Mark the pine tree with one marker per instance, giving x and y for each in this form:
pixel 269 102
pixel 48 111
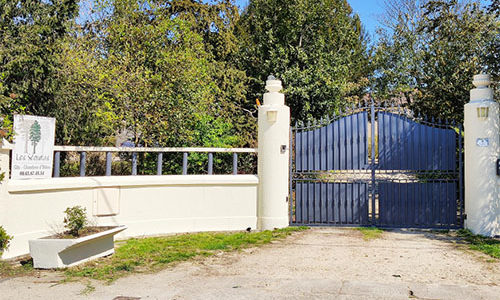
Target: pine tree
pixel 35 135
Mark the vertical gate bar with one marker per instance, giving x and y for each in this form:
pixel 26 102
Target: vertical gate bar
pixel 357 142
pixel 381 124
pixel 410 204
pixel 411 137
pixel 314 147
pixel 57 164
pixel 327 149
pixel 303 144
pixel 315 201
pixel 428 162
pixel 321 150
pixel 373 157
pixel 134 163
pixel 185 163
pixel 309 201
pixel 303 200
pixel 365 138
pixel 414 204
pixel 353 198
pixel 405 144
pixel 447 205
pixel 390 145
pixel 346 144
pixel 460 175
pixel 352 141
pixel 434 209
pixel 327 201
pixel 319 203
pixel 398 142
pixel 321 212
pixel 109 161
pixel 83 157
pixel 340 202
pixel 346 200
pixel 397 199
pixel 210 163
pixel 235 160
pixel 159 164
pixel 339 148
pixel 308 147
pixel 359 203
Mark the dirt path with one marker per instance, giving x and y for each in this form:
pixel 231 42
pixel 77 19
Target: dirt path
pixel 320 263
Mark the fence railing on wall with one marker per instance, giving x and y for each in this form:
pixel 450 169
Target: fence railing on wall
pixel 83 150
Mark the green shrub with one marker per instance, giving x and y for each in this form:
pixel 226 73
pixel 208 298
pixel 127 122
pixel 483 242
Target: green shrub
pixel 75 220
pixel 4 240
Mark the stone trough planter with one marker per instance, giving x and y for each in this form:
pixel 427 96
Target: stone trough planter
pixel 52 253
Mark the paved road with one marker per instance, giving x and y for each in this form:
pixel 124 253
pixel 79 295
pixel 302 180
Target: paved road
pixel 322 263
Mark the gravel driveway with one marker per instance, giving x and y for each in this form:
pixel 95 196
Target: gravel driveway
pixel 321 263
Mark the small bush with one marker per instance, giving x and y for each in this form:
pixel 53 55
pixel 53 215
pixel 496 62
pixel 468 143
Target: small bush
pixel 75 220
pixel 4 240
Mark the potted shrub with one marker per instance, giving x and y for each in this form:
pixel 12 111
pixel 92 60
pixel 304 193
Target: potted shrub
pixel 78 244
pixel 4 240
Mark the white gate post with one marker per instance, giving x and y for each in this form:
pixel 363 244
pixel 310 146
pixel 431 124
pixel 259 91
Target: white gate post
pixel 273 161
pixel 481 126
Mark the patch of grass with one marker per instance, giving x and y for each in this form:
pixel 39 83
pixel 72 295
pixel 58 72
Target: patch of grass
pixel 89 288
pixel 155 253
pixel 8 269
pixel 370 233
pixel 480 243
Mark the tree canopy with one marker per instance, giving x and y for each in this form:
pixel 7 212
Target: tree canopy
pixel 433 51
pixel 188 72
pixel 317 48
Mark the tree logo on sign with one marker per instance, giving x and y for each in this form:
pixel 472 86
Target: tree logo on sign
pixel 35 135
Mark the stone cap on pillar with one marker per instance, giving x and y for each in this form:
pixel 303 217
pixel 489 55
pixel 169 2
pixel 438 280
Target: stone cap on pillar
pixel 482 92
pixel 273 85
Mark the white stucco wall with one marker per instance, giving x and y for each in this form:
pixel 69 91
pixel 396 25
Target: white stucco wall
pixel 147 205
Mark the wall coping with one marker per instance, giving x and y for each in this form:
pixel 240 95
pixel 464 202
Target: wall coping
pixel 71 183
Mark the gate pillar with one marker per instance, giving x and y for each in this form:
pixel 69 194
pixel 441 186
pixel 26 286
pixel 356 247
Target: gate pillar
pixel 273 158
pixel 481 124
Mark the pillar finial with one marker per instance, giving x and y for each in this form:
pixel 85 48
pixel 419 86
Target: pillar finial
pixel 273 85
pixel 482 81
pixel 482 92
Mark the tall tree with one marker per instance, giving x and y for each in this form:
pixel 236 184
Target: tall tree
pixel 30 35
pixel 432 51
pixel 317 48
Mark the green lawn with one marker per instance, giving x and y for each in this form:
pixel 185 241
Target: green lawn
pixel 480 243
pixel 152 254
pixel 370 233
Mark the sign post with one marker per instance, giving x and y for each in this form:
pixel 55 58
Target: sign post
pixel 33 153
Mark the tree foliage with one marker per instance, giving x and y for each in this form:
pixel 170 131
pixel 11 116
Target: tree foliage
pixel 152 70
pixel 317 48
pixel 432 53
pixel 30 35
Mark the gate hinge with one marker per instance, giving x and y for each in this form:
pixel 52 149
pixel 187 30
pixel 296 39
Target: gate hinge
pixel 465 216
pixel 286 198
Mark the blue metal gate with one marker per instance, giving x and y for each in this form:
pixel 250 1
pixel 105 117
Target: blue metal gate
pixel 377 165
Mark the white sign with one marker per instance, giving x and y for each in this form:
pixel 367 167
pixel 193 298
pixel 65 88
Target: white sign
pixel 33 153
pixel 483 142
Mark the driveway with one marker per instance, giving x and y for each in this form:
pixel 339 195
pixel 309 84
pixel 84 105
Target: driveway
pixel 321 263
